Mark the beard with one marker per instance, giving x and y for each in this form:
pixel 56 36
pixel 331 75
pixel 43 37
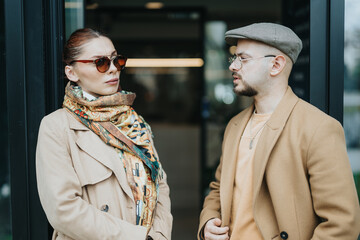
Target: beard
pixel 247 90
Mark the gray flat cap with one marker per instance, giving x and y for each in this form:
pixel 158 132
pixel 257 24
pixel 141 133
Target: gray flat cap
pixel 275 35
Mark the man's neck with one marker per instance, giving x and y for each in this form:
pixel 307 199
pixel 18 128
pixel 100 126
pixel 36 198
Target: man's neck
pixel 267 103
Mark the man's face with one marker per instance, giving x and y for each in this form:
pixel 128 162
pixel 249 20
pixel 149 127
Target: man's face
pixel 250 69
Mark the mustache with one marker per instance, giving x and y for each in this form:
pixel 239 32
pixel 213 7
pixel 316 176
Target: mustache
pixel 236 75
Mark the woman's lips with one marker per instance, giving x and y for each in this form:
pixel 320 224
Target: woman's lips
pixel 113 81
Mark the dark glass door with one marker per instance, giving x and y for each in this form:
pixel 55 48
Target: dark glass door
pixel 5 213
pixel 165 69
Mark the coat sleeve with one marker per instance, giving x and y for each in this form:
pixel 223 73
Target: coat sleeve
pixel 60 192
pixel 162 225
pixel 332 185
pixel 211 207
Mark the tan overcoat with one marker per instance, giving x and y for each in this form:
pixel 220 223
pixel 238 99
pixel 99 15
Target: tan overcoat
pixel 83 186
pixel 303 182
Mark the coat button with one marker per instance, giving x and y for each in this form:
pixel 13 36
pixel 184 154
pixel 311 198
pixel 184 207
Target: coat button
pixel 104 208
pixel 284 235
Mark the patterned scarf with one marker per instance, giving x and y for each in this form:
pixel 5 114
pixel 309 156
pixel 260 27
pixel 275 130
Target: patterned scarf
pixel 137 152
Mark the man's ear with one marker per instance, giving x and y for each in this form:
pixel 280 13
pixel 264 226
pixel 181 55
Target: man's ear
pixel 71 74
pixel 278 65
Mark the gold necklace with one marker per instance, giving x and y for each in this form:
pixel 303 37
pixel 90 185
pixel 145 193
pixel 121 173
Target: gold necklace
pixel 253 138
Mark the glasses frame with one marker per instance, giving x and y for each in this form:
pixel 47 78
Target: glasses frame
pixel 233 59
pixel 112 59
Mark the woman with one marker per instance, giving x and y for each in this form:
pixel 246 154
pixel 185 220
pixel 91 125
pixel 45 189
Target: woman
pixel 98 173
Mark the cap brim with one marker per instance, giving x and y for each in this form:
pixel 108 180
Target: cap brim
pixel 233 39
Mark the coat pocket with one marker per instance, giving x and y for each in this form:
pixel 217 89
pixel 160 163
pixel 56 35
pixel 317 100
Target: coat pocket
pixel 90 171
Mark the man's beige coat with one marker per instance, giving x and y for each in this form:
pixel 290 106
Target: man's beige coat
pixel 303 183
pixel 83 186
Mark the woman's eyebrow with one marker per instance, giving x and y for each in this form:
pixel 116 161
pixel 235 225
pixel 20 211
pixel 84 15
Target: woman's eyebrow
pixel 99 56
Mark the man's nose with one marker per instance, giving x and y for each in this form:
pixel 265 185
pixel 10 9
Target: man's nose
pixel 232 67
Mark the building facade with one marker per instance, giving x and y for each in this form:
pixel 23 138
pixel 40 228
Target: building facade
pixel 192 102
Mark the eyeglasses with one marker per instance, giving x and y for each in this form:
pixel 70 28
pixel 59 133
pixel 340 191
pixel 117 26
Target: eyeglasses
pixel 238 61
pixel 103 63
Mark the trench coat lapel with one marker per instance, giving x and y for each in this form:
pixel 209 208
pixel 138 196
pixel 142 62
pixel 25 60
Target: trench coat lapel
pixel 269 137
pixel 229 162
pixel 90 143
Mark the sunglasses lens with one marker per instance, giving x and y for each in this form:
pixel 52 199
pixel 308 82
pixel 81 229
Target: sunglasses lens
pixel 102 64
pixel 120 62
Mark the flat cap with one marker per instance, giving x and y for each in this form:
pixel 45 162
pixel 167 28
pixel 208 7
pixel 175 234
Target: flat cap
pixel 275 35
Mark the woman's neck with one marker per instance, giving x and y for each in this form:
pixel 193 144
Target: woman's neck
pixel 88 96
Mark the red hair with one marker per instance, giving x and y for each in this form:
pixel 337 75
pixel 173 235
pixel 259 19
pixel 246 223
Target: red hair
pixel 77 39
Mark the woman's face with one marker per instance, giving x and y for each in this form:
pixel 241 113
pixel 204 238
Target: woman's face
pixel 87 76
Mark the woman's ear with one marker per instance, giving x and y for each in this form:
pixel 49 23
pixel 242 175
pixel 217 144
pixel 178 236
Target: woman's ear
pixel 71 74
pixel 278 65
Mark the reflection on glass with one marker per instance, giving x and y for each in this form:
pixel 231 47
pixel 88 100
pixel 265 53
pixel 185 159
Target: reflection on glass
pixel 220 102
pixel 74 16
pixel 352 86
pixel 5 219
pixel 164 69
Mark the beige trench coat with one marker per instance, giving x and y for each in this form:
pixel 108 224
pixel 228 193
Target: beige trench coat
pixel 83 186
pixel 303 183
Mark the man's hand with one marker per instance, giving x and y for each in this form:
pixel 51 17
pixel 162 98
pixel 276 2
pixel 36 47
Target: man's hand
pixel 213 231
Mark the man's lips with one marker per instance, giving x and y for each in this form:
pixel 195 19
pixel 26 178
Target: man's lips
pixel 236 77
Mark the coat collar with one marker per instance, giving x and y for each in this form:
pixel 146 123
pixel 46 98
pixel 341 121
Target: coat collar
pixel 229 157
pixel 75 124
pixel 269 137
pixel 267 141
pixel 283 110
pixel 90 143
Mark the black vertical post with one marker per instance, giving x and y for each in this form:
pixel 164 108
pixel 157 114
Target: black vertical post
pixel 54 40
pixel 34 92
pixel 327 56
pixel 17 128
pixel 326 51
pixel 5 212
pixel 319 47
pixel 33 58
pixel 336 59
pixel 296 16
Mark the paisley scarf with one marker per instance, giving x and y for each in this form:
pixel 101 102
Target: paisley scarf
pixel 136 150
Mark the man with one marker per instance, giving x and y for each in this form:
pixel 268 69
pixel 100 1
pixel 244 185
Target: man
pixel 284 171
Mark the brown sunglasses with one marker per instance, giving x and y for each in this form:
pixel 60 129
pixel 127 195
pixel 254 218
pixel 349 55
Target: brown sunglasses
pixel 103 63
